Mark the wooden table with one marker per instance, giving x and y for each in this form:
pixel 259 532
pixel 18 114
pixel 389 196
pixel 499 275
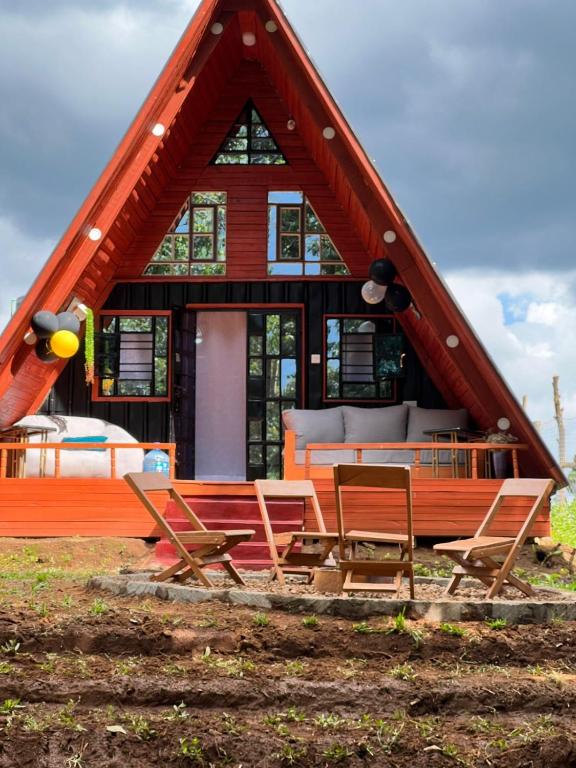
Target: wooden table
pixel 455 435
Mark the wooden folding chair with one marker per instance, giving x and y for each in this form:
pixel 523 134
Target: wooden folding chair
pixel 358 570
pixel 296 552
pixel 210 547
pixel 475 556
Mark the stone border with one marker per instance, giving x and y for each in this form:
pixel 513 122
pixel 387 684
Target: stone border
pixel 513 611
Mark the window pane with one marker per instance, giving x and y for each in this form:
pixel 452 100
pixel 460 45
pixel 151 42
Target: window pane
pixel 273 462
pixel 285 268
pixel 164 253
pixel 285 197
pixel 288 346
pixel 328 252
pixel 181 247
pixel 260 131
pixel 273 421
pixel 272 210
pixel 273 334
pixel 231 160
pixel 255 367
pixel 183 226
pixel 208 269
pixel 333 338
pixel 289 219
pixel 134 389
pixel 288 378
pixel 161 336
pixel 312 247
pixel 166 269
pixel 273 378
pixel 203 220
pixel 255 345
pixel 255 455
pixel 255 431
pixel 290 247
pixel 333 378
pixel 202 247
pixel 236 145
pixel 263 145
pixel 355 391
pixel 160 376
pixel 209 198
pixel 221 241
pixel 334 269
pixel 312 222
pixel 136 324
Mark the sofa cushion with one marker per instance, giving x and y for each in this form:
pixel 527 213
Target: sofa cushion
pixel 375 425
pixel 421 419
pixel 324 426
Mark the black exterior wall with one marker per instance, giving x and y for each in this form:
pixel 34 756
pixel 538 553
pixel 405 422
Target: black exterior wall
pixel 155 421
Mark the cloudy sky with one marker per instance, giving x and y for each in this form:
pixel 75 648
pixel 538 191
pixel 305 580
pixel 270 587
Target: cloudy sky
pixel 468 109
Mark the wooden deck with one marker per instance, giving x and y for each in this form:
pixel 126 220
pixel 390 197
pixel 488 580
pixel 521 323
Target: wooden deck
pixel 33 507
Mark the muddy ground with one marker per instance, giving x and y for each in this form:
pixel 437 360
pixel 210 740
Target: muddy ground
pixel 87 679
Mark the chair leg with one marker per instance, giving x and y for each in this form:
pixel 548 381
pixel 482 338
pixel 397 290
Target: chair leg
pixel 233 573
pixel 453 583
pixel 411 583
pixel 168 572
pixel 196 571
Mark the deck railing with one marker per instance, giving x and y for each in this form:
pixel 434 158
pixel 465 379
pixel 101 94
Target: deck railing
pixel 475 455
pixel 13 456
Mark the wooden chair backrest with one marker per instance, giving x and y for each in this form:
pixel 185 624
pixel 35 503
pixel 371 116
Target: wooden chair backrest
pixel 144 482
pixel 538 490
pixel 372 476
pixel 288 489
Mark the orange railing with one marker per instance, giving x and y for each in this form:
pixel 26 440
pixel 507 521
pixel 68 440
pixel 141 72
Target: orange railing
pixel 472 454
pixel 13 455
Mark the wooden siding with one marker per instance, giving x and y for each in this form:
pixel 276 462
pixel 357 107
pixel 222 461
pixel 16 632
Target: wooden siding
pixel 97 507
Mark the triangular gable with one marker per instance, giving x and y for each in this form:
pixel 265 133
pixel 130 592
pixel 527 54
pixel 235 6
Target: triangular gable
pixel 221 35
pixel 249 142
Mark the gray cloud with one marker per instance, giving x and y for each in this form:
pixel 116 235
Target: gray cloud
pixel 467 108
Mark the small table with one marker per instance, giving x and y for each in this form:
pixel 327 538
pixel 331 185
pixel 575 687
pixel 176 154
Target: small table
pixel 453 435
pixel 16 463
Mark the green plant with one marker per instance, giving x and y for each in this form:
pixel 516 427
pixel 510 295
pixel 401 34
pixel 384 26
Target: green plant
pixel 294 715
pixel 562 523
pixel 5 668
pixel 400 626
pixel 296 668
pixel 49 665
pixel 9 706
pixel 230 724
pixel 337 753
pixel 67 601
pixel 403 672
pixel 388 734
pixel 329 721
pixel 10 647
pixel 291 755
pixel 363 628
pixel 310 622
pixel 192 749
pixel 99 607
pixel 496 623
pixel 178 712
pixel 453 629
pixel 66 717
pixel 261 619
pixel 141 727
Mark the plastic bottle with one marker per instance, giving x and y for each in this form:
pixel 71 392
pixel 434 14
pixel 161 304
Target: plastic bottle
pixel 157 461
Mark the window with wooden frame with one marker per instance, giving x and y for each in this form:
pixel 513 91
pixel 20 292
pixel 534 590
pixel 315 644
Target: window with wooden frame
pixel 195 244
pixel 249 142
pixel 298 243
pixel 363 358
pixel 132 356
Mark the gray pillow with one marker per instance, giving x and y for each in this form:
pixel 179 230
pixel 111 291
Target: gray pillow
pixel 324 426
pixel 420 419
pixel 375 425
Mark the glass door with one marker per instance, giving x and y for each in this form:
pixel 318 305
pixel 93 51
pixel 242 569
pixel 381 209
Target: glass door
pixel 273 385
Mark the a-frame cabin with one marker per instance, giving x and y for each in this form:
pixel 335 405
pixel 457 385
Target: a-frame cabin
pixel 223 251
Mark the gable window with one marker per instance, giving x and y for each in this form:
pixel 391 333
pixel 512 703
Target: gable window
pixel 131 359
pixel 249 142
pixel 195 244
pixel 298 244
pixel 363 358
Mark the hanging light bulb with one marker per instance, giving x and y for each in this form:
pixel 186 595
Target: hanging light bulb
pixel 372 293
pixel 199 336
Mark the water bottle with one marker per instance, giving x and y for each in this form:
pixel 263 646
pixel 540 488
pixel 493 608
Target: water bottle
pixel 157 461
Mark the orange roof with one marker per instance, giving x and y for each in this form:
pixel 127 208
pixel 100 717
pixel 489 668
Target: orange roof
pixel 209 54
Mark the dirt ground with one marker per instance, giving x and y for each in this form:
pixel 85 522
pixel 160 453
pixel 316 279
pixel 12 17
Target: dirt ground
pixel 88 679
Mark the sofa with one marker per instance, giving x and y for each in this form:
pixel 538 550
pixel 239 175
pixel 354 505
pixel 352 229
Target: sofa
pixel 92 462
pixel 351 424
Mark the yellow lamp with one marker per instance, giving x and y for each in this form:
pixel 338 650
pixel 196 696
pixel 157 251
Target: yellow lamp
pixel 64 344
